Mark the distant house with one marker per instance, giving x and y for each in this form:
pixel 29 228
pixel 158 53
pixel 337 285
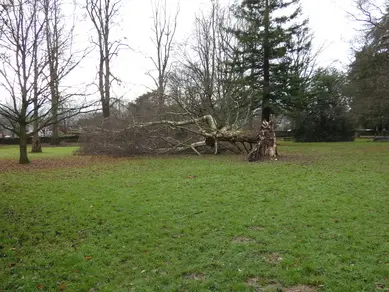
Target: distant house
pixel 6 134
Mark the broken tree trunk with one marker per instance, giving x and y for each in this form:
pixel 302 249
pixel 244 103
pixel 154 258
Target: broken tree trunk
pixel 267 144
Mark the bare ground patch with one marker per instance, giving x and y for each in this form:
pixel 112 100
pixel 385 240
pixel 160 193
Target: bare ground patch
pixel 195 276
pixel 259 227
pixel 12 165
pixel 261 285
pixel 258 284
pixel 242 239
pixel 273 258
pixel 253 282
pixel 301 288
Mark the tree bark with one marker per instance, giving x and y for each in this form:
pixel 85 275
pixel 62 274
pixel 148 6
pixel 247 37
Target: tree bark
pixel 267 144
pixel 55 134
pixel 52 43
pixel 36 144
pixel 54 109
pixel 107 66
pixel 23 158
pixel 266 67
pixel 36 141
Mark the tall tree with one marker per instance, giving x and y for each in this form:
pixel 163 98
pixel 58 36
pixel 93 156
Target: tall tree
pixel 267 42
pixel 164 30
pixel 325 116
pixel 61 57
pixel 369 81
pixel 203 82
pixel 103 13
pixel 25 74
pixel 196 72
pixel 22 69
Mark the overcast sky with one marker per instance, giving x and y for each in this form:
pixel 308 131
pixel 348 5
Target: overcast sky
pixel 328 20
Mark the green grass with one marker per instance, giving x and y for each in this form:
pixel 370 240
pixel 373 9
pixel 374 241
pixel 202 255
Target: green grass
pixel 318 217
pixel 48 152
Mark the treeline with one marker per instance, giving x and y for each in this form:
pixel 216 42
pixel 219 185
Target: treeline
pixel 243 64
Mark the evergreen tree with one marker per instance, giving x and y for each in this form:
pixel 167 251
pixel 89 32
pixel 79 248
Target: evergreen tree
pixel 325 117
pixel 369 77
pixel 269 35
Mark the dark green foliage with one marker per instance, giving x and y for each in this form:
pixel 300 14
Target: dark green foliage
pixel 270 35
pixel 369 86
pixel 321 127
pixel 369 78
pixel 325 118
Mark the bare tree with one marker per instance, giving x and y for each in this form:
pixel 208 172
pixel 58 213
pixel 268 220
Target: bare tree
pixel 24 74
pixel 164 29
pixel 204 82
pixel 371 13
pixel 21 70
pixel 102 13
pixel 36 48
pixel 61 56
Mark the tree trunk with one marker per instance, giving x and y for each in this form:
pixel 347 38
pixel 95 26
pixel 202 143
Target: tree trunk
pixel 54 110
pixel 36 144
pixel 106 109
pixel 55 135
pixel 266 68
pixel 267 144
pixel 107 67
pixel 23 158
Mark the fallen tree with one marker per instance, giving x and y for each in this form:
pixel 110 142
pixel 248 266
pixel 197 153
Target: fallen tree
pixel 200 135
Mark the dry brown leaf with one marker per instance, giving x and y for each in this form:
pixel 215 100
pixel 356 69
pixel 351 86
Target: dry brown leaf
pixel 11 265
pixel 55 163
pixel 40 286
pixel 62 286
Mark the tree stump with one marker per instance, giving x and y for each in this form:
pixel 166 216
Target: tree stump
pixel 267 144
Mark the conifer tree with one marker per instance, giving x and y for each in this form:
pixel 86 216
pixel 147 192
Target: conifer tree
pixel 268 33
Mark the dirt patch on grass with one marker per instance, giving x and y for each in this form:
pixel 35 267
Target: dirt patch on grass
pixel 300 288
pixel 242 239
pixel 195 276
pixel 253 282
pixel 256 227
pixel 273 258
pixel 12 165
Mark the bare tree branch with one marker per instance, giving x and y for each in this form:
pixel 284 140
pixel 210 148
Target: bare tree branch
pixel 102 14
pixel 164 30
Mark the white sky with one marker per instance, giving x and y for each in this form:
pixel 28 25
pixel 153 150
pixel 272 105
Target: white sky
pixel 328 20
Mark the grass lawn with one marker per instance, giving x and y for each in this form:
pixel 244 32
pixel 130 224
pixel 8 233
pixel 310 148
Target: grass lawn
pixel 316 220
pixel 12 152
